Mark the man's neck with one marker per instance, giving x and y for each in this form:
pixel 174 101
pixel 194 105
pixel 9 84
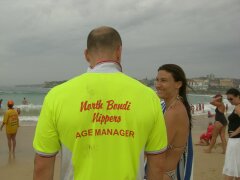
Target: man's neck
pixel 105 60
pixel 106 66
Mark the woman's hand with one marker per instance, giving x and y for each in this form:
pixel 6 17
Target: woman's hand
pixel 234 133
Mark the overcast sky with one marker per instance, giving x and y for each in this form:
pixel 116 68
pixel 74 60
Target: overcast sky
pixel 45 40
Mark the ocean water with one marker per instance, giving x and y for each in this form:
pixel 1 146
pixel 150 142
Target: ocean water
pixel 35 97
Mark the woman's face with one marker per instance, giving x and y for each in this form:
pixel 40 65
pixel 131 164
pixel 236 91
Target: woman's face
pixel 233 99
pixel 165 85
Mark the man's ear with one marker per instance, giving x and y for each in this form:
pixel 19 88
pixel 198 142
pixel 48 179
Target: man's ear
pixel 86 53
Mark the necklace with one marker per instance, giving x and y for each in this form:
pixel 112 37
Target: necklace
pixel 172 103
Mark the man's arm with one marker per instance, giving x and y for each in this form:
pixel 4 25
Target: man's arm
pixel 43 167
pixel 155 166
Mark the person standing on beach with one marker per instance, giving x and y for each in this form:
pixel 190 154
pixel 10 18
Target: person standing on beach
pixel 231 168
pixel 171 86
pixel 12 123
pixel 1 103
pixel 99 121
pixel 219 124
pixel 25 102
pixel 192 108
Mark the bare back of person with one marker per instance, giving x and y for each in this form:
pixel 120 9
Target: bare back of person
pixel 171 86
pixel 178 129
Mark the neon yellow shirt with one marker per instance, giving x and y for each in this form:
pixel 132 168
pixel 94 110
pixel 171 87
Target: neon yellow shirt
pixel 11 121
pixel 102 122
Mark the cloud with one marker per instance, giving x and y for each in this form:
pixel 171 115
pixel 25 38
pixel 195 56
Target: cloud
pixel 43 40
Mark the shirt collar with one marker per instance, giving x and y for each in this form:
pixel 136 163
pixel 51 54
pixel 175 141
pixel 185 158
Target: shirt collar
pixel 106 67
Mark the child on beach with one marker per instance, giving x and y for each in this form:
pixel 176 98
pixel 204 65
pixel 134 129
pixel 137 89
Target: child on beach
pixel 206 137
pixel 12 123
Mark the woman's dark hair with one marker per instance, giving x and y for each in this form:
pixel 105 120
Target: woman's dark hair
pixel 233 92
pixel 218 95
pixel 179 75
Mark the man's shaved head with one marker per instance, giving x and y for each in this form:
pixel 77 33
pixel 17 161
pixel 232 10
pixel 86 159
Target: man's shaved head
pixel 103 39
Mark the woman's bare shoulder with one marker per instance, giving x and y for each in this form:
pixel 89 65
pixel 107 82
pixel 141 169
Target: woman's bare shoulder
pixel 177 114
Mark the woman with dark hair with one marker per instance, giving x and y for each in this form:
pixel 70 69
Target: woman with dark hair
pixel 171 85
pixel 231 167
pixel 219 124
pixel 12 123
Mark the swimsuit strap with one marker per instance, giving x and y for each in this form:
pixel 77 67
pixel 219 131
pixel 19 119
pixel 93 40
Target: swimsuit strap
pixel 172 147
pixel 171 174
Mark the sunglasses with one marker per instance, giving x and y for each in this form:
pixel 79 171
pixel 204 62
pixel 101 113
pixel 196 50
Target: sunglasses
pixel 230 99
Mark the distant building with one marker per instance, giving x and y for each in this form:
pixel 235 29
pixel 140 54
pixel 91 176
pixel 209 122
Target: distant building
pixel 211 76
pixel 198 84
pixel 214 83
pixel 226 83
pixel 236 83
pixel 50 84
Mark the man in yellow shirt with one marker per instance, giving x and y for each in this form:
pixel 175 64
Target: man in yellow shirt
pixel 102 121
pixel 12 123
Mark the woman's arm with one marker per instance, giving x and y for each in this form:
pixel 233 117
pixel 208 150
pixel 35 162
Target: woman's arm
pixel 234 133
pixel 216 101
pixel 5 119
pixel 170 121
pixel 2 126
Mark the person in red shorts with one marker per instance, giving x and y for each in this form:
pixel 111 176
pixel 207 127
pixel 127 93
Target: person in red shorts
pixel 206 137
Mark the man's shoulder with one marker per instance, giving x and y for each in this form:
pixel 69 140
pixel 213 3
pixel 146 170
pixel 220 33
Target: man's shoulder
pixel 84 80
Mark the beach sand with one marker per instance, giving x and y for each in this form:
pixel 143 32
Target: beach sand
pixel 20 167
pixel 206 166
